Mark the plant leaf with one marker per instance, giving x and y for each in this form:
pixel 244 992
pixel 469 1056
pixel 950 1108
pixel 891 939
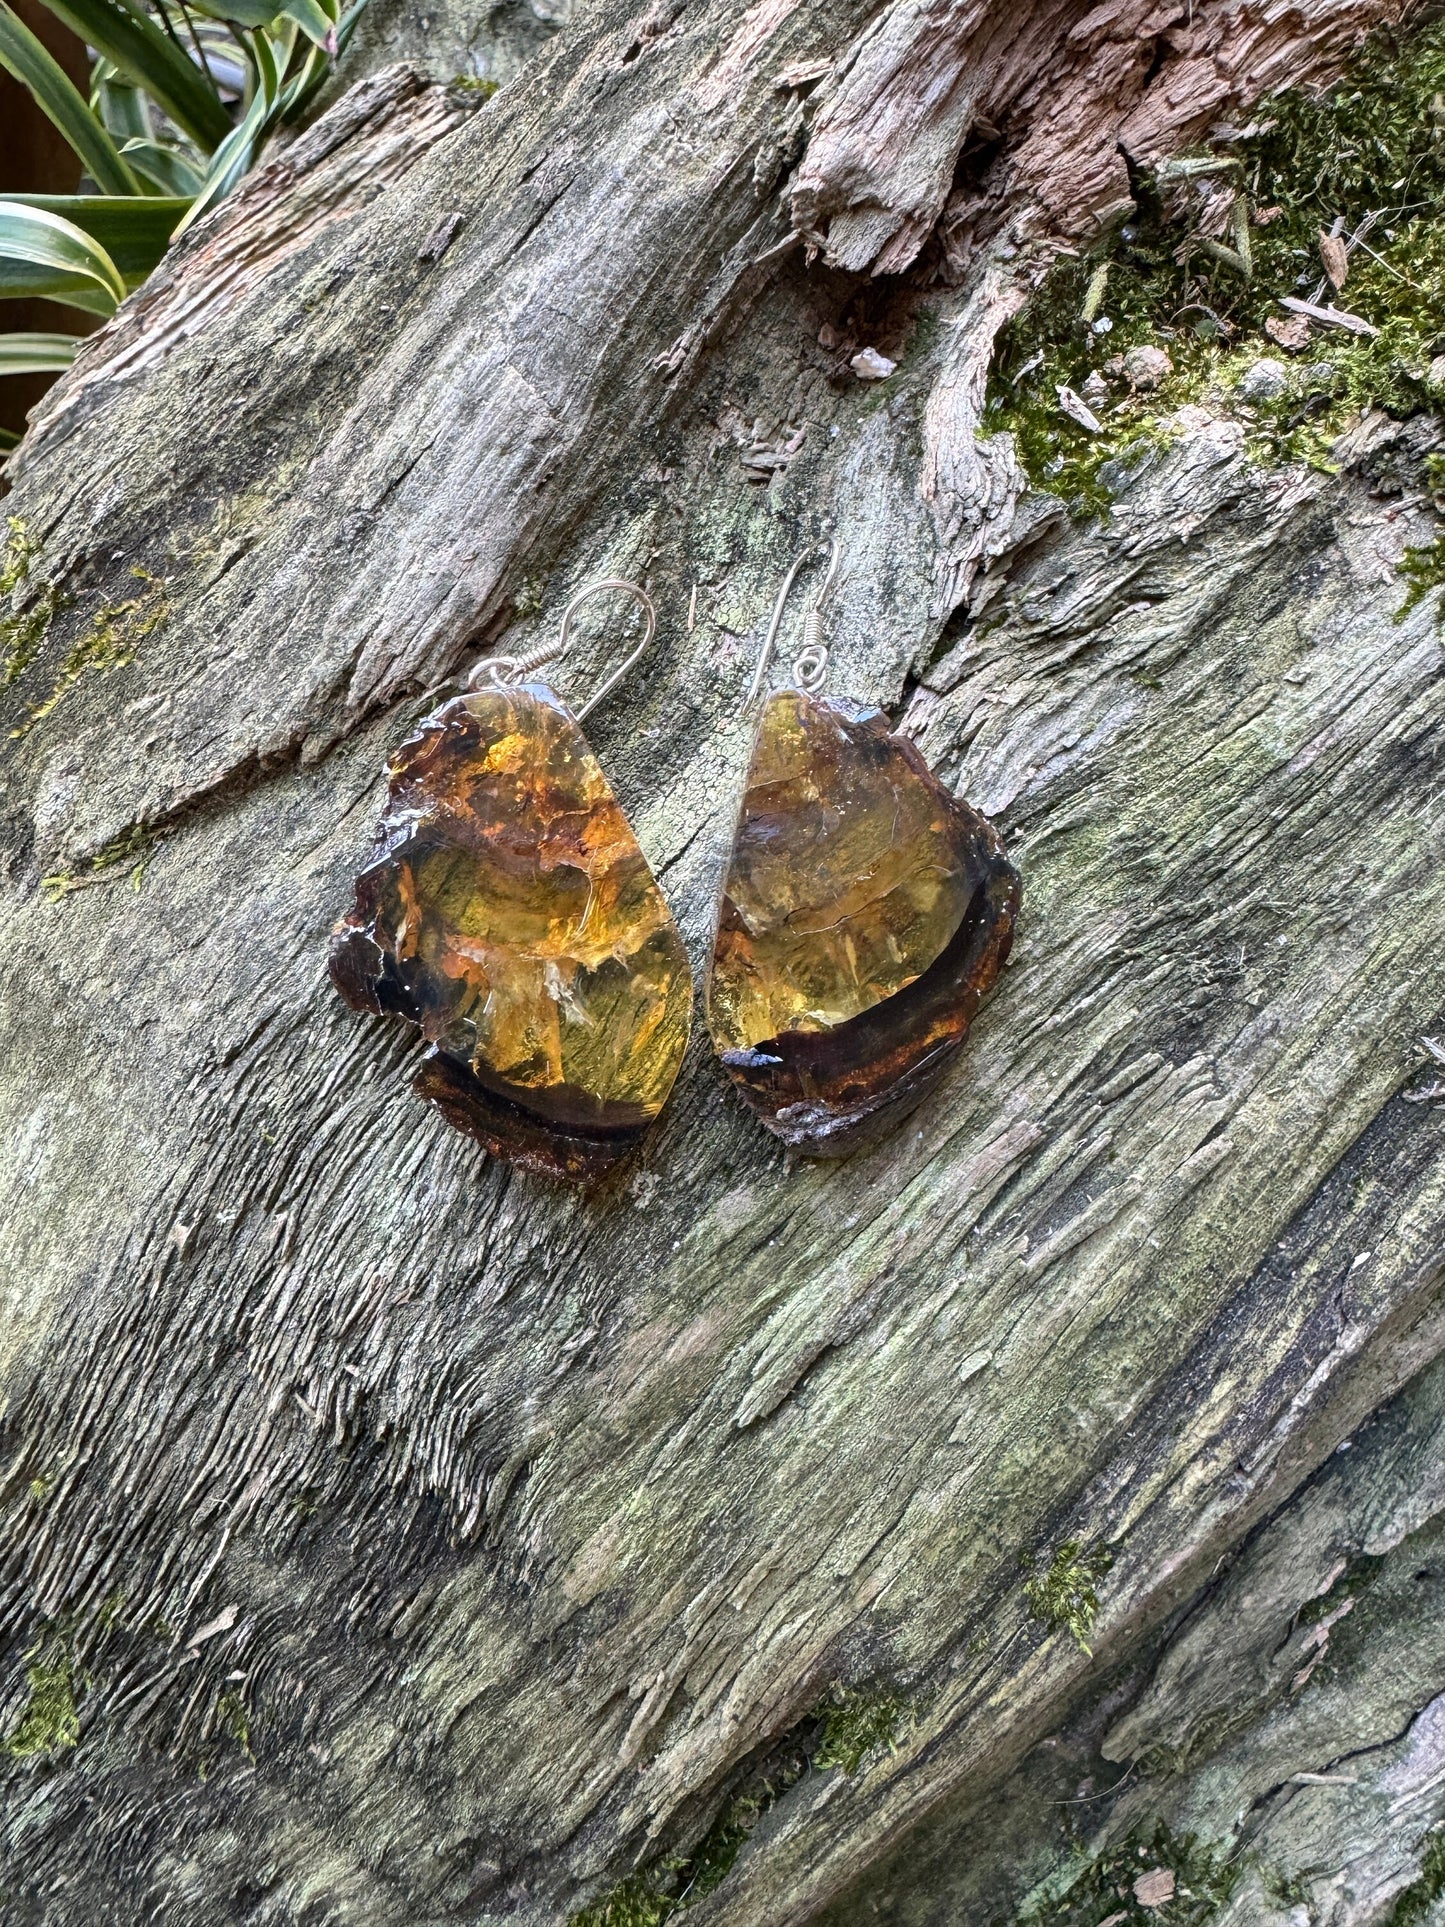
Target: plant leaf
pixel 25 281
pixel 132 232
pixel 120 104
pixel 314 21
pixel 236 153
pixel 58 98
pixel 304 86
pixel 244 13
pixel 173 172
pixel 41 245
pixel 25 354
pixel 139 49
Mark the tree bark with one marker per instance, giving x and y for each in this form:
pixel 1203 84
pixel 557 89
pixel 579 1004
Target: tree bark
pixel 416 1542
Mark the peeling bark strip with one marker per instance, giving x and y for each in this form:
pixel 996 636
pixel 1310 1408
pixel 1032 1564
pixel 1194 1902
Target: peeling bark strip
pixel 398 1542
pixel 1068 96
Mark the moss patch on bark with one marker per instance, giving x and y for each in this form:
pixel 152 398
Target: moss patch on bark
pixel 50 1721
pixel 108 641
pixel 847 1727
pixel 1220 236
pixel 1169 1879
pixel 1065 1595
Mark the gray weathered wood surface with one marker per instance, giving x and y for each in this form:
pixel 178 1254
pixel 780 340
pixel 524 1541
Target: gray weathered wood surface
pixel 434 1546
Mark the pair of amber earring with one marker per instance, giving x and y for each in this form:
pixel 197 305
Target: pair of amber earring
pixel 508 912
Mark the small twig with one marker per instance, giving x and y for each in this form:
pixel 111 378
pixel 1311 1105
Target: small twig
pixel 1333 317
pixel 1389 268
pixel 1083 1799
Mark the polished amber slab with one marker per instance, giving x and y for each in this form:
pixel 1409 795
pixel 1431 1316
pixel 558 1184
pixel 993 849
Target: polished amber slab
pixel 508 912
pixel 865 913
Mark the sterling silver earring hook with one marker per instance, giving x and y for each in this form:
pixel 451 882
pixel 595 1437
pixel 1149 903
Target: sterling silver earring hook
pixel 500 672
pixel 810 665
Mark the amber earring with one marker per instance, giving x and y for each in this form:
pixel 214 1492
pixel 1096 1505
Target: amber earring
pixel 507 911
pixel 865 912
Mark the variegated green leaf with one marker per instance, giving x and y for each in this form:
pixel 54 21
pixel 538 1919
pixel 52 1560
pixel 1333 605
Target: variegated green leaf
pixel 36 354
pixel 57 97
pixel 134 232
pixel 39 251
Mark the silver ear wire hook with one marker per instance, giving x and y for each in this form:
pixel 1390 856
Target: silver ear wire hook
pixel 810 665
pixel 497 672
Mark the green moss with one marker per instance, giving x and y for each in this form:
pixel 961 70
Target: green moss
pixel 18 557
pixel 636 1903
pixel 1359 1573
pixel 23 636
pixel 663 1888
pixel 858 1722
pixel 1424 572
pixel 134 846
pixel 1285 1890
pixel 1372 145
pixel 666 1887
pixel 1091 1891
pixel 1065 1596
pixel 50 1721
pixel 108 642
pixel 529 599
pixel 234 1719
pixel 22 632
pixel 475 87
pixel 1415 1902
pixel 842 1731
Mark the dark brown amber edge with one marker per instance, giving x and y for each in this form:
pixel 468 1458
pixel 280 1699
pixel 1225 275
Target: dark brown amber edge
pixel 829 1093
pixel 570 1137
pixel 508 1129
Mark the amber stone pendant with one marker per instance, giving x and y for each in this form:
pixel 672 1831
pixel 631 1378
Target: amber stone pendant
pixel 508 912
pixel 866 911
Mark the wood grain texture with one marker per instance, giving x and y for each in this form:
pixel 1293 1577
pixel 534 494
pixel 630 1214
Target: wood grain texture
pixel 429 1548
pixel 1290 1723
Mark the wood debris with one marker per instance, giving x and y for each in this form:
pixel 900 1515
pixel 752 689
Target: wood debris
pixel 869 365
pixel 803 73
pixel 1336 258
pixel 223 1622
pixel 441 237
pixel 1290 331
pixel 1078 410
pixel 1432 1093
pixel 1155 1888
pixel 1331 317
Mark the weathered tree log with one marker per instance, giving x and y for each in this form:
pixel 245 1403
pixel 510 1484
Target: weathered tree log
pixel 392 1538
